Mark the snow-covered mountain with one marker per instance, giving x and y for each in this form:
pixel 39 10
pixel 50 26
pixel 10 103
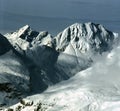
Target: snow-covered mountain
pixel 38 61
pixel 80 43
pixel 85 38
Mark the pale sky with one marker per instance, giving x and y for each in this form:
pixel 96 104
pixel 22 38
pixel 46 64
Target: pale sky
pixel 64 8
pixel 55 15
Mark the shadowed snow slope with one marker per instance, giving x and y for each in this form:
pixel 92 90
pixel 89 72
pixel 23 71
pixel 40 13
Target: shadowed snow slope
pixel 14 79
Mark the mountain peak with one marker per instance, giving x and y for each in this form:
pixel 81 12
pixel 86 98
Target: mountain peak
pixel 25 27
pixel 84 37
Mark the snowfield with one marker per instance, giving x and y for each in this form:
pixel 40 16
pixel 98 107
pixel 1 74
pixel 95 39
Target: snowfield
pixel 94 89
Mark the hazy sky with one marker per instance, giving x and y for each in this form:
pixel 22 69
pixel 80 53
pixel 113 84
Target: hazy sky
pixel 55 15
pixel 64 8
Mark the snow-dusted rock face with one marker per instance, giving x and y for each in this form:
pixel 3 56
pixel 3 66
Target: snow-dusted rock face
pixel 84 39
pixel 25 39
pixel 14 79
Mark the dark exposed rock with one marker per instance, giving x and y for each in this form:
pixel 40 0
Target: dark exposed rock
pixel 5 46
pixel 6 87
pixel 26 102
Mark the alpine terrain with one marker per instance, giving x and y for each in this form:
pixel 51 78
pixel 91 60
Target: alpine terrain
pixel 77 70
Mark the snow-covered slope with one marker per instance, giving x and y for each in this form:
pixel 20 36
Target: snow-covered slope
pixel 94 89
pixel 14 79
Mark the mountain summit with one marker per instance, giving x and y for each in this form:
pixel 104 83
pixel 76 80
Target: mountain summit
pixel 83 38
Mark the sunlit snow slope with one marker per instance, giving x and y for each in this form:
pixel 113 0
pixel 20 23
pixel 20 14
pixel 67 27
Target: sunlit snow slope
pixel 94 89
